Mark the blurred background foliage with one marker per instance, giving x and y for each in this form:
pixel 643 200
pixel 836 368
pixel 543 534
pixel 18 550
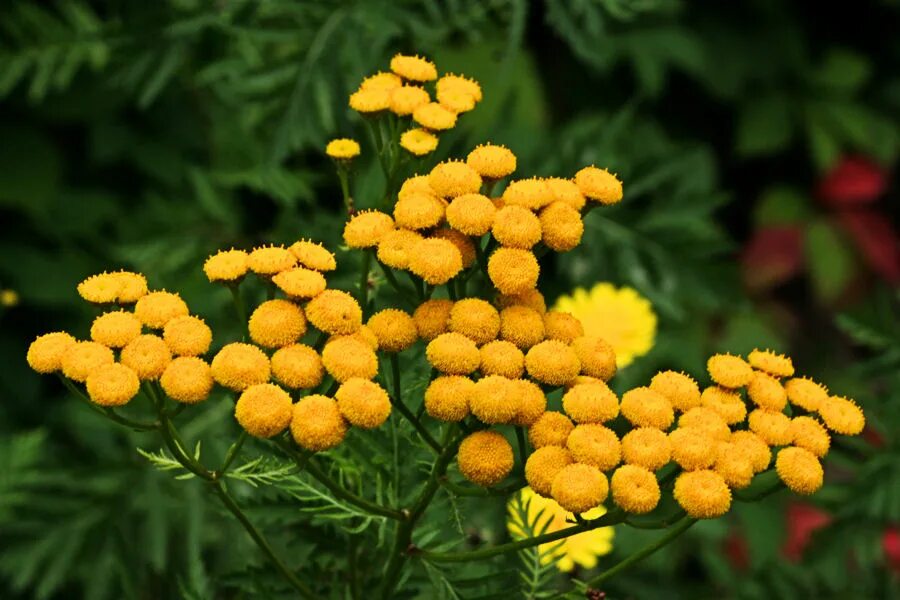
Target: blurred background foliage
pixel 757 142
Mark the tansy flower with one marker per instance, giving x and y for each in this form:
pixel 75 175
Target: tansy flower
pixel 476 319
pixel 238 366
pixel 132 286
pixel 599 184
pixel 545 515
pixel 551 429
pixel 621 316
pixel 342 149
pixel 417 184
pixel 363 403
pixel 808 433
pixel 531 298
pixel 644 407
pixel 418 141
pixel 502 358
pixel 459 83
pixel 395 247
pixel 800 470
pixel 82 358
pixel 707 420
pixel 681 390
pixel 46 352
pixel 842 415
pixel 597 357
pixel 366 228
pixel 406 99
pixel 263 410
pixel 317 423
pixel 595 445
pixel 370 101
pixel 112 384
pixel 115 329
pixel 453 354
pixel 766 392
pixel 543 465
pixel 187 379
pixel 692 448
pixel 157 308
pixel 432 318
pixel 491 161
pixel 471 214
pixel 413 68
pixel 347 357
pixel 394 328
pixel 561 226
pixel 187 336
pixel 226 265
pixel 578 488
pixel 735 468
pixel 773 427
pixel 148 355
pixel 313 256
pixel 635 489
pixel 493 400
pixel 774 364
pixel 521 325
pixel 552 362
pixel 435 260
pixel 447 398
pixel 805 393
pixel 702 494
pixel 485 458
pixel 465 245
pixel 276 323
pixel 753 448
pixel 455 100
pixel 532 402
pixel 434 117
pixel 591 403
pixel 364 334
pixel 562 326
pixel 726 403
pixel 335 312
pixel 297 366
pixel 729 371
pixel 516 227
pixel 123 287
pixel 513 270
pixel 532 194
pixel 565 190
pixel 381 81
pixel 454 178
pixel 419 210
pixel 300 282
pixel 646 447
pixel 269 260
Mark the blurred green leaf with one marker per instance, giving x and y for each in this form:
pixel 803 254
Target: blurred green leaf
pixel 830 261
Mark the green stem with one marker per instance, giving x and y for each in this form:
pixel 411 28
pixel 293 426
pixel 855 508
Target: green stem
pixel 107 412
pixel 663 523
pixel 364 281
pixel 397 401
pixel 520 440
pixel 344 177
pixel 392 280
pixel 233 452
pixel 643 553
pixel 463 490
pixel 239 307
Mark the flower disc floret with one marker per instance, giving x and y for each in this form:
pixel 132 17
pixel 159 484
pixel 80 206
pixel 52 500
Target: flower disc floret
pixel 562 326
pixel 591 403
pixel 513 270
pixel 454 178
pixel 237 366
pixel 187 379
pixel 394 328
pixel 263 410
pixel 148 355
pixel 297 366
pixel 702 494
pixel 766 392
pixel 521 325
pixel 346 357
pixel 269 260
pixel 276 323
pixel 418 141
pixel 532 402
pixel 158 308
pixel 447 398
pixel 493 400
pixel 434 117
pixel 227 266
pixel 342 149
pixel 597 357
pixel 532 194
pixel 773 427
pixel 432 318
pixel 516 227
pixel 599 184
pixel 313 256
pixel 551 429
pixel 435 260
pixel 187 336
pixel 543 465
pixel 46 352
pixel 300 282
pixel 492 161
pixel 842 415
pixel 693 448
pixel 578 488
pixel 453 354
pixel 561 226
pixel 800 470
pixel 647 447
pixel 595 445
pixel 725 402
pixel 729 371
pixel 502 358
pixel 112 384
pixel 317 423
pixel 485 458
pixel 363 403
pixel 476 319
pixel 335 312
pixel 471 214
pixel 644 407
pixel 115 329
pixel 552 362
pixel 395 248
pixel 413 68
pixel 635 489
pixel 366 228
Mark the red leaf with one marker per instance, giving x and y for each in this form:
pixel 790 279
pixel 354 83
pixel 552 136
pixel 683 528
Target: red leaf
pixel 802 521
pixel 876 239
pixel 772 256
pixel 853 181
pixel 890 542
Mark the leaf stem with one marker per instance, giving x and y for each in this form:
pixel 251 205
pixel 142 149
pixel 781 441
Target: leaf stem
pixel 107 412
pixel 397 400
pixel 364 281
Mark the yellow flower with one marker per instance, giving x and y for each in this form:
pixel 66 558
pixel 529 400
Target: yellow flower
pixel 492 162
pixel 456 100
pixel 46 352
pixel 551 429
pixel 226 265
pixel 471 214
pixel 9 298
pixel 434 117
pixel 187 336
pixel 453 354
pixel 621 316
pixel 579 488
pixel 276 323
pixel 447 397
pixel 238 366
pixel 493 400
pixel 681 390
pixel 502 358
pixel 766 391
pixel 394 328
pixel 702 494
pixel 532 402
pixel 735 468
pixel 727 403
pixel 753 448
pixel 300 282
pixel 432 318
pixel 269 260
pixel 565 190
pixel 692 448
pixel 805 393
pixel 644 407
pixel 516 227
pixel 158 308
pixel 450 82
pixel 187 379
pixel 413 68
pixel 148 355
pixel 419 210
pixel 774 364
pixel 552 362
pixel 395 247
pixel 595 445
pixel 561 226
pixel 407 98
pixel 372 100
pixel 532 298
pixel 112 384
pixel 115 329
pixel 417 184
pixel 381 81
pixel 476 319
pixel 513 270
pixel 485 458
pixel 591 403
pixel 454 178
pixel 346 357
pixel 297 366
pixel 123 287
pixel 363 403
pixel 599 184
pixel 418 141
pixel 773 427
pixel 522 326
pixel 543 465
pixel 366 228
pixel 646 447
pixel 530 514
pixel 562 326
pixel 313 256
pixel 800 470
pixel 317 424
pixel 435 260
pixel 635 489
pixel 263 410
pixel 598 359
pixel 532 194
pixel 335 312
pixel 842 415
pixel 82 358
pixel 342 149
pixel 462 242
pixel 729 371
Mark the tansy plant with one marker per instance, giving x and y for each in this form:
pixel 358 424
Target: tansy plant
pixel 516 396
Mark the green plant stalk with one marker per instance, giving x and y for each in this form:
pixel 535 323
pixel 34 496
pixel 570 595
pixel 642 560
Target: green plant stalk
pixel 344 177
pixel 397 402
pixel 107 412
pixel 239 307
pixel 643 553
pixel 392 280
pixel 479 492
pixel 232 453
pixel 364 281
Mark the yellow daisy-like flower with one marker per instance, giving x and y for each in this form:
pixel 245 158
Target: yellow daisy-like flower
pixel 485 458
pixel 347 357
pixel 459 83
pixel 772 363
pixel 82 358
pixel 297 366
pixel 702 494
pixel 644 407
pixel 800 470
pixel 579 487
pixel 317 423
pixel 238 366
pixel 808 433
pixel 342 149
pixel 521 325
pixel 532 402
pixel 502 358
pixel 492 162
pixel 493 400
pixel 453 354
pixel 530 514
pixel 158 308
pixel 417 210
pixel 551 429
pixel 471 214
pixel 115 329
pixel 187 379
pixel 532 298
pixel 562 326
pixel 113 384
pixel 394 248
pixel 123 287
pixel 752 447
pixel 456 100
pixel 300 282
pixel 363 403
pixel 565 190
pixel 417 184
pixel 646 447
pixel 413 68
pixel 435 260
pixel 313 256
pixel 370 100
pixel 46 352
pixel 394 328
pixel 599 184
pixel 707 420
pixel 406 99
pixel 729 371
pixel 598 359
pixel 591 403
pixel 269 260
pixel 454 178
pixel 596 445
pixel 335 312
pixel 552 362
pixel 381 81
pixel 635 489
pixel 621 316
pixel 418 141
pixel 462 242
pixel 842 415
pixel 542 466
pixel 513 270
pixel 434 117
pixel 148 355
pixel 276 323
pixel 476 319
pixel 766 391
pixel 516 227
pixel 681 390
pixel 366 228
pixel 227 266
pixel 187 336
pixel 447 398
pixel 532 194
pixel 561 226
pixel 727 403
pixel 263 410
pixel 432 318
pixel 692 448
pixel 805 393
pixel 773 427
